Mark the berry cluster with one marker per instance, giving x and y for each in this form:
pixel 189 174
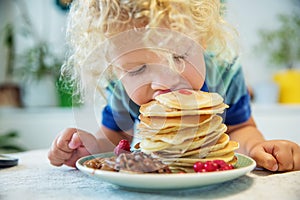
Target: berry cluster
pixel 211 166
pixel 123 147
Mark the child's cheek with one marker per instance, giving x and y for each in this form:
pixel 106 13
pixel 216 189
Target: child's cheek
pixel 195 77
pixel 140 96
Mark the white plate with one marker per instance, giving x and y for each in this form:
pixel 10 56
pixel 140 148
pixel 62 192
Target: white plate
pixel 167 181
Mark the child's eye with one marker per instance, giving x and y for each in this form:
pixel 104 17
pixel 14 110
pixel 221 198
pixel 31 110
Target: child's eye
pixel 138 71
pixel 179 58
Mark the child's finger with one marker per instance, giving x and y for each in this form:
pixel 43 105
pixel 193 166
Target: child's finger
pixel 88 141
pixel 56 153
pixel 297 161
pixel 284 157
pixel 266 160
pixel 57 157
pixel 75 142
pixel 62 142
pixel 284 153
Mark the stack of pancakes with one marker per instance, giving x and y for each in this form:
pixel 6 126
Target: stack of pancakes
pixel 183 127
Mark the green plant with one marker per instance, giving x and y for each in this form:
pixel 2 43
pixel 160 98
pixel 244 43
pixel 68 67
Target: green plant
pixel 9 42
pixel 8 143
pixel 66 93
pixel 38 61
pixel 38 58
pixel 282 45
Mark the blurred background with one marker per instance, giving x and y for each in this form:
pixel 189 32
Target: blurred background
pixel 35 104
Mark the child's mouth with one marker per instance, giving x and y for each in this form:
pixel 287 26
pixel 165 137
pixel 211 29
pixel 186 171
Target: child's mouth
pixel 159 92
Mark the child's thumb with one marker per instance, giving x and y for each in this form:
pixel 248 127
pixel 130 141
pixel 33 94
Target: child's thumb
pixel 75 141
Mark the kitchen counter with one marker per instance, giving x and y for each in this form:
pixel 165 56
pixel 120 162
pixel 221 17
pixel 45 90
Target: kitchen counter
pixel 35 178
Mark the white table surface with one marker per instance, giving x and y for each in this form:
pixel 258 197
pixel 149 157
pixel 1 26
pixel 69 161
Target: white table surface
pixel 35 178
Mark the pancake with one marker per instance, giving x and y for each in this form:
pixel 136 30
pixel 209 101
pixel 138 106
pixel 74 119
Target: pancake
pixel 230 146
pixel 176 138
pixel 219 149
pixel 199 148
pixel 154 108
pixel 193 143
pixel 189 99
pixel 166 122
pixel 189 161
pixel 179 136
pixel 197 142
pixel 148 145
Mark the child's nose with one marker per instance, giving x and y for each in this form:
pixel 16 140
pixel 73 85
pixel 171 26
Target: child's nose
pixel 165 80
pixel 160 86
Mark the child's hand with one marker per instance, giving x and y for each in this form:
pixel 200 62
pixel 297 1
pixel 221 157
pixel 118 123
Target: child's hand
pixel 70 145
pixel 277 155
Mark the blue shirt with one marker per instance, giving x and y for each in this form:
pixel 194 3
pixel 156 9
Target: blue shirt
pixel 227 80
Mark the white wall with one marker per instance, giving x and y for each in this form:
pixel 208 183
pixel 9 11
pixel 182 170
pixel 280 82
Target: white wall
pixel 249 17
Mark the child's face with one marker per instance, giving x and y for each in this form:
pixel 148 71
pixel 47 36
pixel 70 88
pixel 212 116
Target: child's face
pixel 168 61
pixel 145 74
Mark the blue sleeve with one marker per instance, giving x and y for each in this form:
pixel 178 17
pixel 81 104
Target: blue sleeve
pixel 118 114
pixel 238 100
pixel 239 112
pixel 116 121
pixel 227 79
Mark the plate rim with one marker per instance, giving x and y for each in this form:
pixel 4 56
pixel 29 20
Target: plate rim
pixel 117 178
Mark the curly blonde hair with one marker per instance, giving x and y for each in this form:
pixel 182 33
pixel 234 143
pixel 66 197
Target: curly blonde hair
pixel 93 21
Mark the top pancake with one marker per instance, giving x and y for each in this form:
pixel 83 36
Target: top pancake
pixel 189 99
pixel 155 108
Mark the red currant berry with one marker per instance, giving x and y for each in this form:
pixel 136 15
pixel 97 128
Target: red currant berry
pixel 199 167
pixel 227 167
pixel 123 147
pixel 210 166
pixel 220 163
